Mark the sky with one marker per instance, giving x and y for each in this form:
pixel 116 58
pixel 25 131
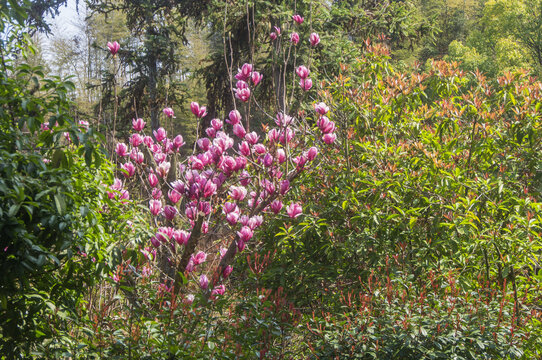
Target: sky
pixel 65 22
pixel 63 25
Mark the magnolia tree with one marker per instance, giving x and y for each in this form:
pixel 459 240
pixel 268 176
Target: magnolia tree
pixel 207 206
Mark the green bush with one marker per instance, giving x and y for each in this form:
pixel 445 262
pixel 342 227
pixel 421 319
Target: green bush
pixel 437 167
pixel 59 231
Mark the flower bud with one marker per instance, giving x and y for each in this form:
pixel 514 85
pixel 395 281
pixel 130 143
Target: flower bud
pixel 203 282
pixel 138 124
pixel 314 39
pixel 298 19
pixel 169 112
pixel 114 47
pixel 294 38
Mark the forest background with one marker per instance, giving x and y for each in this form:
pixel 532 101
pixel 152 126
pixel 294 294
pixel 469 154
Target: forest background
pixel 412 227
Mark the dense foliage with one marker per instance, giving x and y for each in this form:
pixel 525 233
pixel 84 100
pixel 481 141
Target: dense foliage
pixel 349 203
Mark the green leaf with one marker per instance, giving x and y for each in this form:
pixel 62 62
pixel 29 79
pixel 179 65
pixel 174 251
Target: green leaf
pixel 14 209
pixel 60 203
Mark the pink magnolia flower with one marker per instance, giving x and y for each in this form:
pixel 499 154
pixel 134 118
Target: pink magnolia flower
pixel 136 140
pixel 179 186
pixel 321 108
pixel 276 206
pixel 205 208
pixel 174 196
pixel 252 138
pixel 311 154
pixel 205 226
pixel 326 126
pixel 314 39
pixel 124 196
pixel 306 84
pixel 232 218
pixel 155 206
pixel 294 38
pixel 245 234
pixel 138 124
pixel 245 219
pixel 281 156
pixel 268 186
pixel 244 148
pixel 170 212
pixel 178 142
pixel 209 189
pixel 238 192
pixel 244 73
pixel 242 94
pixel 230 207
pixel 190 266
pixel 159 157
pixel 298 19
pixel 294 210
pixel 169 112
pixel 117 184
pixel 181 236
pixel 114 47
pixel 240 163
pixel 219 290
pixel 160 134
pixel 268 160
pixel 329 138
pixel 156 194
pixel 153 180
pixel 45 126
pixel 244 178
pixel 163 169
pixel 210 132
pixel 273 135
pixel 199 111
pixel 302 71
pixel 155 242
pixel 256 77
pixel 203 281
pixel 259 149
pixel 189 299
pixel 204 144
pixel 191 212
pixel 121 149
pixel 283 119
pixel 239 130
pixel 241 245
pixel 273 36
pixel 148 141
pixel 255 222
pixel 137 156
pixel 84 125
pixel 217 124
pixel 199 258
pixel 165 234
pixel 286 135
pixel 227 271
pixel 277 30
pixel 284 186
pixel 234 117
pixel 300 161
pixel 129 168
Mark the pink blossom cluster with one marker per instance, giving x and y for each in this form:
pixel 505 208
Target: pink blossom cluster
pixel 326 126
pixel 304 81
pixel 314 38
pixel 226 186
pixel 244 76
